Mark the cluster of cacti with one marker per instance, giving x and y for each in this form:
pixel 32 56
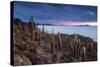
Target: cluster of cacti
pixel 42 47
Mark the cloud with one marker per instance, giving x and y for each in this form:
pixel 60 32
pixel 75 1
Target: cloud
pixel 52 12
pixel 91 13
pixel 71 23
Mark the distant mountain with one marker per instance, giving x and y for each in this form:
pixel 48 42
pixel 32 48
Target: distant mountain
pixel 60 25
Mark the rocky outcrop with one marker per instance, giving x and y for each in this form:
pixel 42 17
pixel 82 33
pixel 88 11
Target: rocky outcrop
pixel 21 60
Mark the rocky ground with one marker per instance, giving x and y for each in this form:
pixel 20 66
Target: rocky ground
pixel 32 46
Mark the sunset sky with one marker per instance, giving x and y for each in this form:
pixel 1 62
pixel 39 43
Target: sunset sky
pixel 67 19
pixel 57 14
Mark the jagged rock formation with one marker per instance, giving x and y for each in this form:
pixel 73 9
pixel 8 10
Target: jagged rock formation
pixel 34 46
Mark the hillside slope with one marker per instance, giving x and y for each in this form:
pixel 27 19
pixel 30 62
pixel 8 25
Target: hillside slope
pixel 33 46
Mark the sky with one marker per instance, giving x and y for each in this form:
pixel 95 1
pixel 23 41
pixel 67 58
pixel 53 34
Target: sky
pixel 65 17
pixel 88 31
pixel 56 14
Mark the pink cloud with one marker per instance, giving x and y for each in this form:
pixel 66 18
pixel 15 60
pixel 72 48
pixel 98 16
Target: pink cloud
pixel 74 23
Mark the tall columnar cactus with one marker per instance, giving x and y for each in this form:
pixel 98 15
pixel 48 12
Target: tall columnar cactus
pixel 84 53
pixel 60 41
pixel 53 41
pixel 33 23
pixel 76 39
pixel 75 36
pixel 72 47
pixel 43 31
pixel 33 35
pixel 91 43
pixel 18 21
pixel 32 27
pixel 79 45
pixel 39 33
pixel 92 48
pixel 76 52
pixel 19 25
pixel 25 27
pixel 32 31
pixel 76 46
pixel 31 19
pixel 52 33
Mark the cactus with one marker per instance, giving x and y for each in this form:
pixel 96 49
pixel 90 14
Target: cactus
pixel 43 31
pixel 75 36
pixel 71 46
pixel 60 41
pixel 92 48
pixel 25 28
pixel 61 48
pixel 39 33
pixel 53 40
pixel 84 53
pixel 52 33
pixel 33 33
pixel 78 49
